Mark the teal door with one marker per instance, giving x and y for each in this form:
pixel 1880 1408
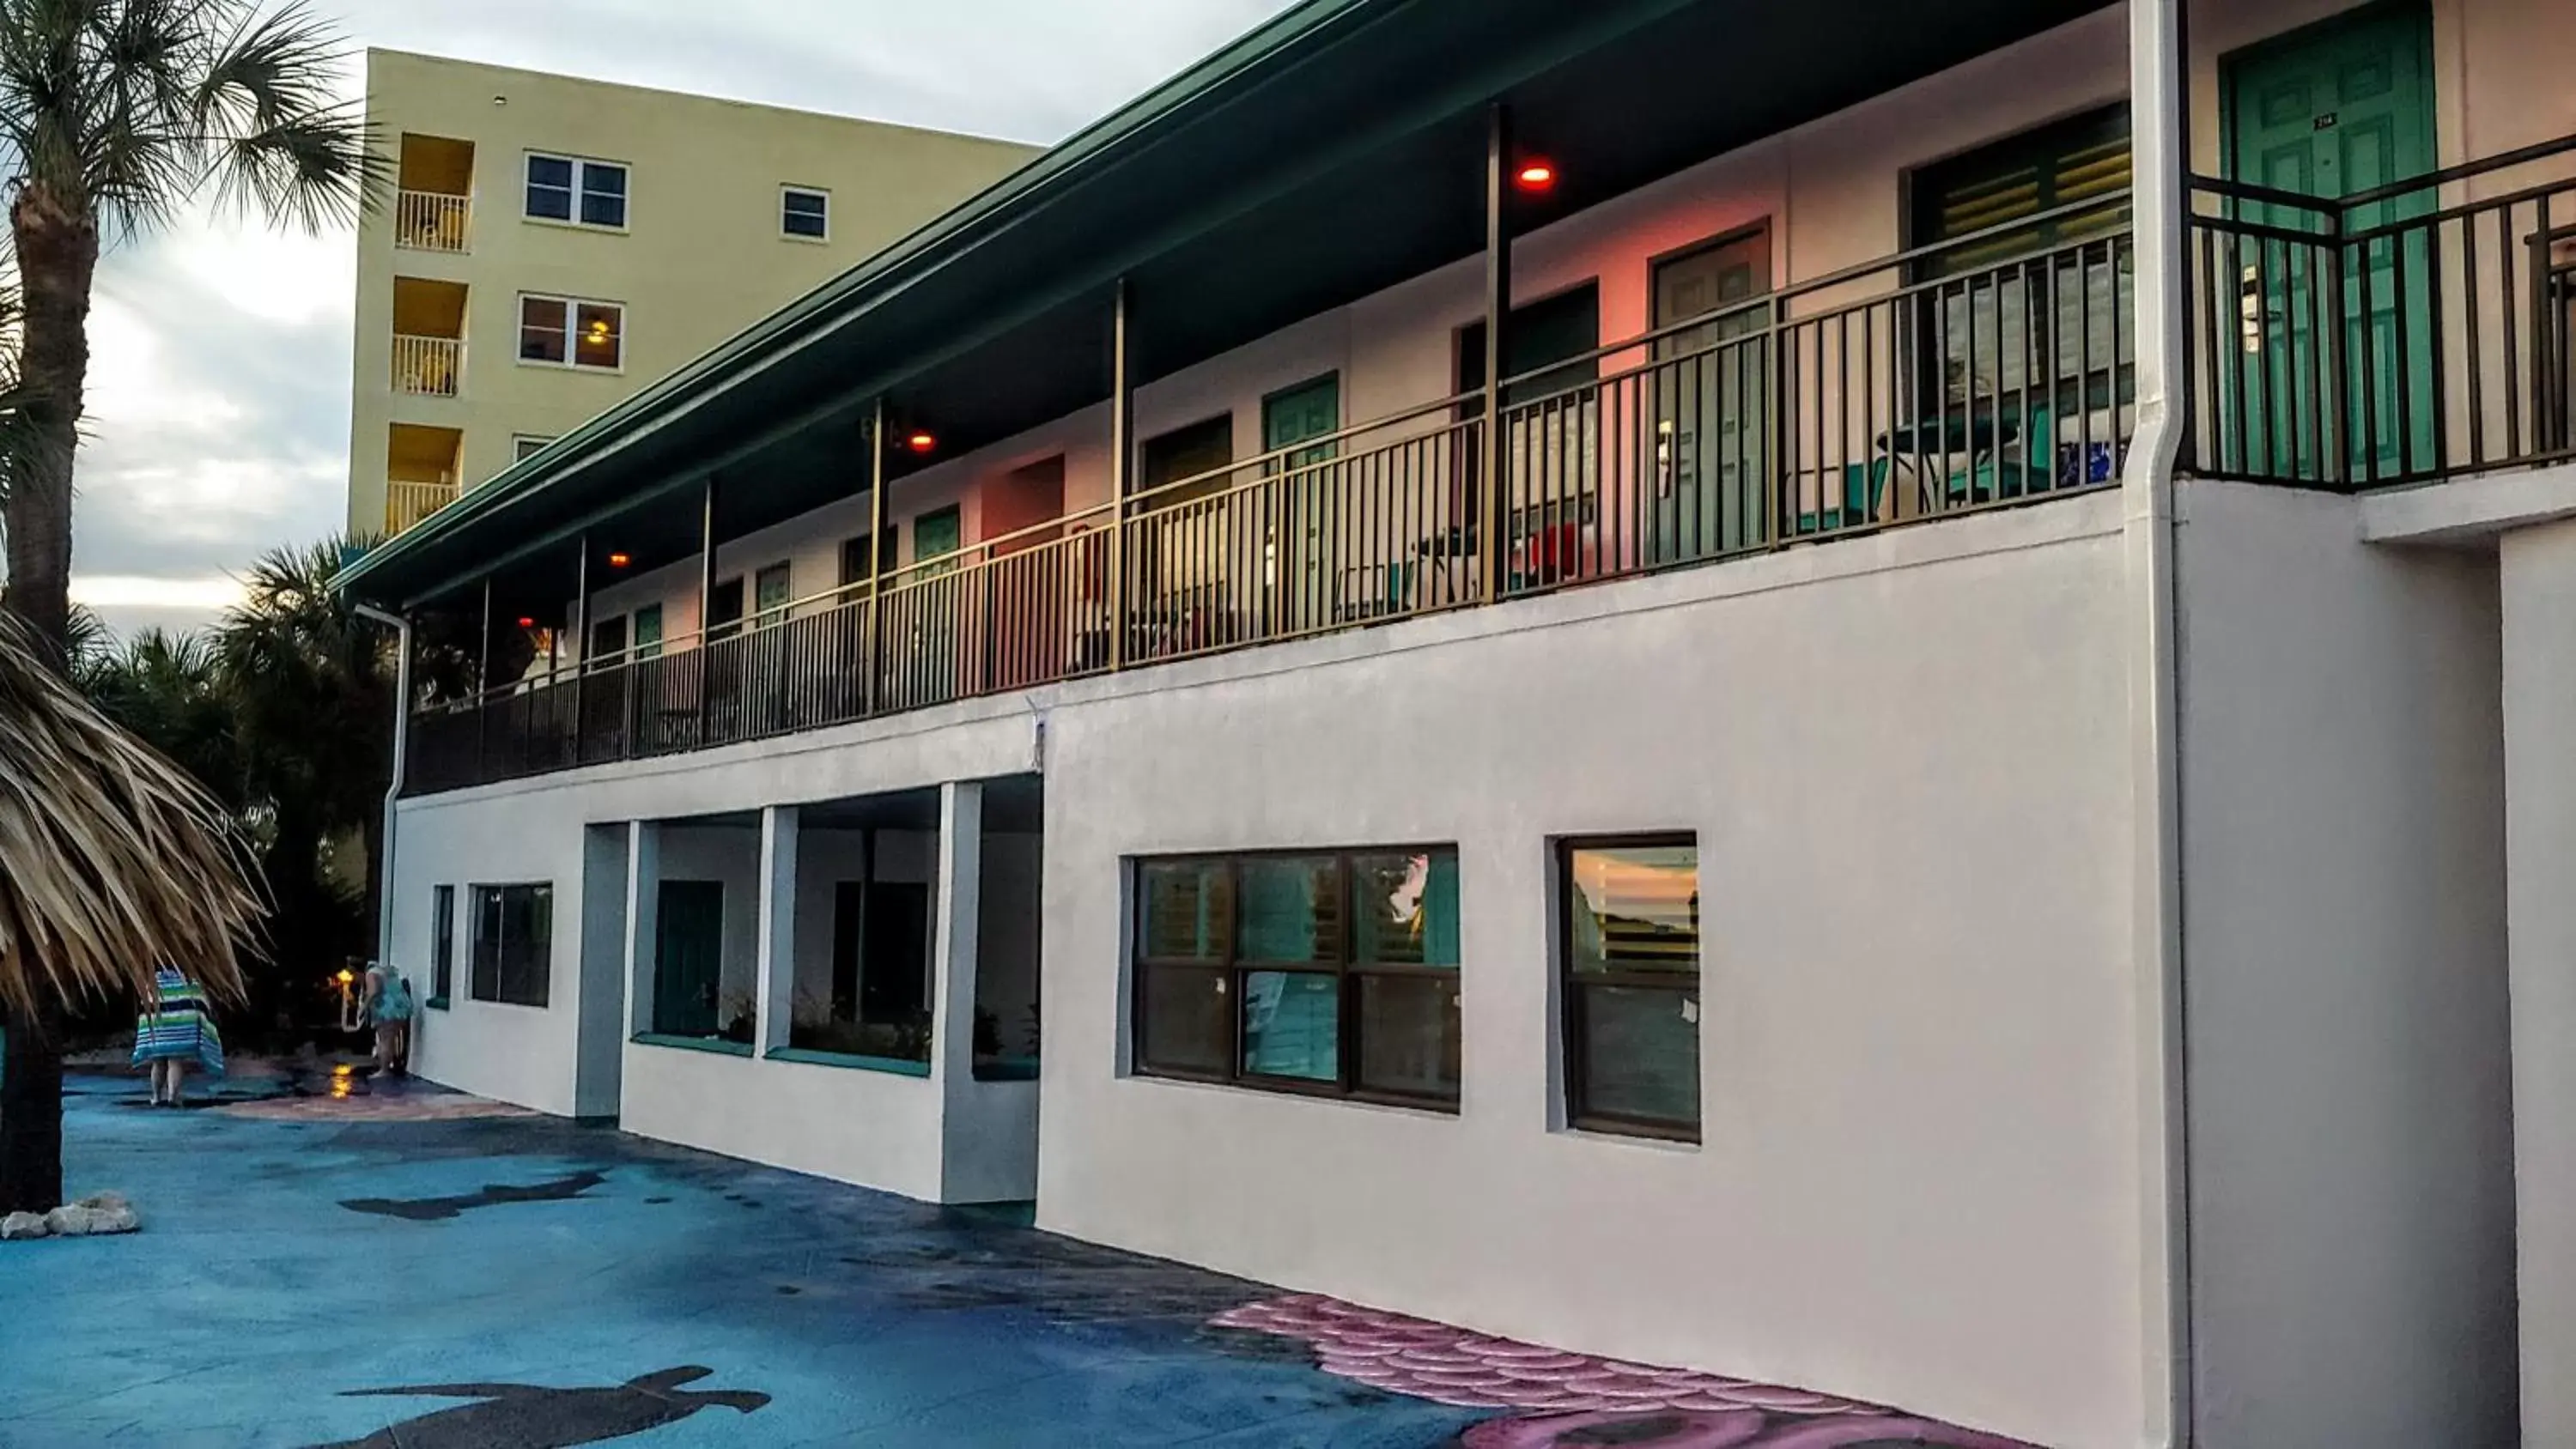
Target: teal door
pixel 1298 570
pixel 688 958
pixel 927 619
pixel 2338 108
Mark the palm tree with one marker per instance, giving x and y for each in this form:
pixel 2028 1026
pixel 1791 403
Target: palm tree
pixel 113 115
pixel 111 862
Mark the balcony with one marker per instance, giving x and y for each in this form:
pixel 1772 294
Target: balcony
pixel 2406 334
pixel 433 206
pixel 1911 389
pixel 428 366
pixel 407 503
pixel 430 221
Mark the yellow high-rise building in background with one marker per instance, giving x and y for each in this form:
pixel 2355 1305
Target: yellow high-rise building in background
pixel 557 244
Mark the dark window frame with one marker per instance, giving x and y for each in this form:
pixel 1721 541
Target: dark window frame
pixel 1236 972
pixel 442 944
pixel 820 215
pixel 576 190
pixel 536 961
pixel 1570 990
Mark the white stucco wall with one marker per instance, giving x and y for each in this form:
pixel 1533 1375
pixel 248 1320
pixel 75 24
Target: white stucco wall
pixel 1904 760
pixel 2538 568
pixel 2351 1117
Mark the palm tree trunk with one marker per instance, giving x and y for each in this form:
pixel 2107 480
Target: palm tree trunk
pixel 57 259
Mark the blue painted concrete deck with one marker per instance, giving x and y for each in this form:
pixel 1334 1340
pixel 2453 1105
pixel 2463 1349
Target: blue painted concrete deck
pixel 285 1266
pixel 358 1278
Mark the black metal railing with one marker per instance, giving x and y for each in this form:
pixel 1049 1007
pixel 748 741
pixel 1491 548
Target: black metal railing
pixel 2405 333
pixel 1989 371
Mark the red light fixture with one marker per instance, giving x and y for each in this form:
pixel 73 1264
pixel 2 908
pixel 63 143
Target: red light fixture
pixel 526 623
pixel 619 560
pixel 921 442
pixel 1535 176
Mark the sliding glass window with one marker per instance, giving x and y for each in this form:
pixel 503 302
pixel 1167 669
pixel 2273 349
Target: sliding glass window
pixel 1330 973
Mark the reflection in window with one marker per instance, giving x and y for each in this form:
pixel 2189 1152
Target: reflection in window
pixel 1632 997
pixel 513 944
pixel 1333 973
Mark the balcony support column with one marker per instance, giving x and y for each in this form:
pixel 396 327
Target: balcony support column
pixel 1498 314
pixel 1122 464
pixel 775 991
pixel 483 686
pixel 706 604
pixel 580 641
pixel 2159 88
pixel 872 648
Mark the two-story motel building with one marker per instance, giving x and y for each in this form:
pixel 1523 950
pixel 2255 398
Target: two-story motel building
pixel 1872 696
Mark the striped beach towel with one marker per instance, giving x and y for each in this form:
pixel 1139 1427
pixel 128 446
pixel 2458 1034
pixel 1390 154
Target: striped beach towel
pixel 178 1025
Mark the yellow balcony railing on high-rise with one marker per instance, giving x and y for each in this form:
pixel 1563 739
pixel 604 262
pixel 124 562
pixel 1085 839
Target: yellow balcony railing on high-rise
pixel 406 504
pixel 429 221
pixel 428 365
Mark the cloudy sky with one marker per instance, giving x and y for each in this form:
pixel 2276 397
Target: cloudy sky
pixel 219 390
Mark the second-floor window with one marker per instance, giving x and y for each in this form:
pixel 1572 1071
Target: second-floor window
pixel 772 588
pixel 805 212
pixel 561 332
pixel 587 193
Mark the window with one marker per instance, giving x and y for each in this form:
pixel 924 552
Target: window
pixel 1543 335
pixel 560 332
pixel 772 589
pixel 442 944
pixel 1992 333
pixel 590 192
pixel 514 928
pixel 1332 972
pixel 859 559
pixel 805 212
pixel 648 632
pixel 607 641
pixel 523 447
pixel 1630 948
pixel 724 609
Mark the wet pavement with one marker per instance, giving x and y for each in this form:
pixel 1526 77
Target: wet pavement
pixel 327 1265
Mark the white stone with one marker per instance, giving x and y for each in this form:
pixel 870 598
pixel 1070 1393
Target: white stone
pixel 18 1226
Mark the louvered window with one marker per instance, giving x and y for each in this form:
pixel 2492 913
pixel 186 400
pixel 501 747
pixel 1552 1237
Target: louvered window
pixel 2025 307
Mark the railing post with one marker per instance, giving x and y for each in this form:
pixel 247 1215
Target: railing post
pixel 1498 312
pixel 1122 467
pixel 869 646
pixel 2337 364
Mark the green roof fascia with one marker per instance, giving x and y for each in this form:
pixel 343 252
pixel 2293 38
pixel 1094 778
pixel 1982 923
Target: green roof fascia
pixel 841 299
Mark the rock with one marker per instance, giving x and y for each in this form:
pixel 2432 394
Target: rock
pixel 22 1225
pixel 91 1217
pixel 71 1220
pixel 107 1202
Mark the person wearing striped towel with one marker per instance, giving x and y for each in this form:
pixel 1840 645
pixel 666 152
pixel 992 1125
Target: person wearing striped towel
pixel 175 1028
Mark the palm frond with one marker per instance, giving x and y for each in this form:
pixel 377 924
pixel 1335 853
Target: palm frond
pixel 273 140
pixel 112 862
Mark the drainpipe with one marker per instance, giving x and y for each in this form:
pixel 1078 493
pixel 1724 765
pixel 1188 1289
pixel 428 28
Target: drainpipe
pixel 402 759
pixel 2160 100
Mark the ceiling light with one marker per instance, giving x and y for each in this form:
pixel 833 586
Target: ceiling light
pixel 1536 176
pixel 921 442
pixel 619 560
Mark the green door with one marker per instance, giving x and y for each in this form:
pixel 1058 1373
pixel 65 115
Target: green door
pixel 923 628
pixel 688 958
pixel 2337 108
pixel 1297 569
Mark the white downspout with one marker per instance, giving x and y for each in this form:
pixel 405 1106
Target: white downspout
pixel 2159 101
pixel 393 792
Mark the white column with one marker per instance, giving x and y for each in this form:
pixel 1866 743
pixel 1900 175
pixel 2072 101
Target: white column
pixel 777 982
pixel 958 901
pixel 643 921
pixel 2538 582
pixel 2159 102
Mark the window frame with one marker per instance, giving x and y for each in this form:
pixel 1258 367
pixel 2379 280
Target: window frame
pixel 442 945
pixel 1570 991
pixel 787 191
pixel 1346 968
pixel 524 446
pixel 499 894
pixel 571 333
pixel 578 191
